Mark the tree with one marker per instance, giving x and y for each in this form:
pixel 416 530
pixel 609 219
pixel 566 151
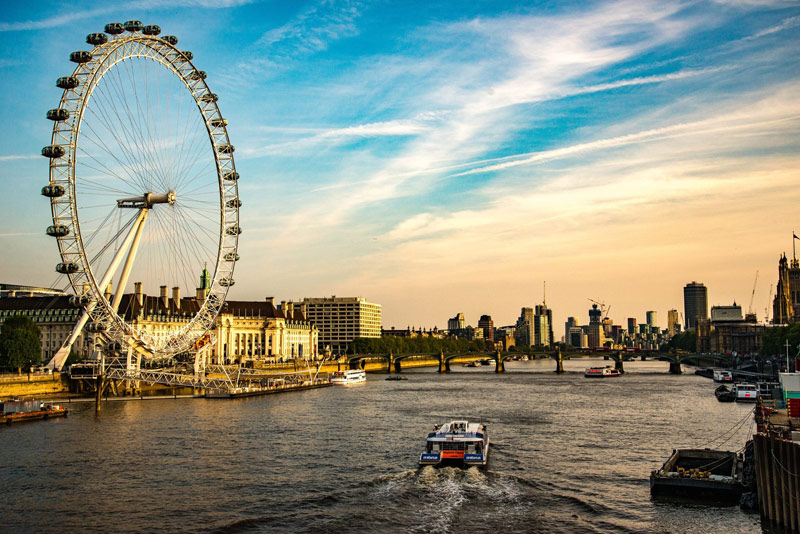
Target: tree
pixel 685 341
pixel 20 343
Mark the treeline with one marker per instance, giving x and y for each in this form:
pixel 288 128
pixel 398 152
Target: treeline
pixel 20 344
pixel 405 345
pixel 684 341
pixel 775 338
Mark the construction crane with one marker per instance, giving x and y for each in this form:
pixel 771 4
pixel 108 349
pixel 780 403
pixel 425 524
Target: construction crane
pixel 752 295
pixel 766 310
pixel 600 304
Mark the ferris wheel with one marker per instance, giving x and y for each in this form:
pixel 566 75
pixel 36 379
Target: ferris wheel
pixel 143 189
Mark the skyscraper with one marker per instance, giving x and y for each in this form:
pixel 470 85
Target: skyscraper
pixel 456 323
pixel 695 304
pixel 673 322
pixel 487 324
pixel 572 322
pixel 632 326
pixel 651 319
pixel 544 338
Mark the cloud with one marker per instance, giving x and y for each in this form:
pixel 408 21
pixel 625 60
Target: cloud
pixel 315 28
pixel 66 18
pixel 21 156
pixel 790 22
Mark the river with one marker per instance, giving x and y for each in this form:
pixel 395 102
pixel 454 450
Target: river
pixel 569 455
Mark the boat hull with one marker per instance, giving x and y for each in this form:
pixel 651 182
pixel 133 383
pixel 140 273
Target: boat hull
pixel 707 491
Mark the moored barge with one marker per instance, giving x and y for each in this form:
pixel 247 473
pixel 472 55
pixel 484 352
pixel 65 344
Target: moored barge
pixel 703 475
pixel 18 410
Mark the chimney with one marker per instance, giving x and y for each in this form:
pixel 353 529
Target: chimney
pixel 137 291
pixel 164 297
pixel 176 297
pixel 283 307
pixel 270 300
pixel 200 295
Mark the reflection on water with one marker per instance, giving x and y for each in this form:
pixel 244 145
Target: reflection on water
pixel 568 455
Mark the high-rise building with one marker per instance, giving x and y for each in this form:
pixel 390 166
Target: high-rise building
pixel 543 311
pixel 632 326
pixel 596 333
pixel 456 323
pixel 651 319
pixel 695 304
pixel 571 323
pixel 341 319
pixel 673 322
pixel 524 333
pixel 486 323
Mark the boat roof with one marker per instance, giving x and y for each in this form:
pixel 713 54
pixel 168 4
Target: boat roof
pixel 457 431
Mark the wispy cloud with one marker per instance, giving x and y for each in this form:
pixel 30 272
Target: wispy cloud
pixel 785 24
pixel 16 157
pixel 315 28
pixel 75 14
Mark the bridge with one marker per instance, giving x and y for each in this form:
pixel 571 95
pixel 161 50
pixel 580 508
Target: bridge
pixel 394 361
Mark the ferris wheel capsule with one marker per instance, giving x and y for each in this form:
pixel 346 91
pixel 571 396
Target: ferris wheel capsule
pixel 114 28
pixel 225 149
pixel 171 39
pixel 151 29
pixel 53 191
pixel 57 230
pixel 230 176
pixel 188 55
pixel 53 151
pixel 58 114
pixel 133 26
pixel 96 39
pixel 67 82
pixel 80 56
pixel 67 267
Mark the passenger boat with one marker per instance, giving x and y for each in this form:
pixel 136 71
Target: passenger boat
pixel 348 377
pixel 699 475
pixel 396 377
pixel 458 443
pixel 721 375
pixel 601 372
pixel 745 392
pixel 724 394
pixel 16 410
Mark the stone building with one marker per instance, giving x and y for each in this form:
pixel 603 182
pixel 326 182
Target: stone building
pixel 727 331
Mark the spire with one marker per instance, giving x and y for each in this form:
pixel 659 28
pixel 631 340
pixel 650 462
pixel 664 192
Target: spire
pixel 544 295
pixel 205 279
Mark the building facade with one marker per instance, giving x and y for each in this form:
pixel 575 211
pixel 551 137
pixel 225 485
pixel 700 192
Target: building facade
pixel 673 322
pixel 340 320
pixel 487 325
pixel 456 323
pixel 695 304
pixel 244 330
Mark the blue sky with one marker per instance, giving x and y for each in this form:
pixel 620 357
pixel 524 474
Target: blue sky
pixel 444 157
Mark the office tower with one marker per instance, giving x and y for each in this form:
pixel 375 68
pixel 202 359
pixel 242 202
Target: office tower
pixel 695 304
pixel 651 319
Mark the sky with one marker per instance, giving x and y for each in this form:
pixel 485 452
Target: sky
pixel 446 157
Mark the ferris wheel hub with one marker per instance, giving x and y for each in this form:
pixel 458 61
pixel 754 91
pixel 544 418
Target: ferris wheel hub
pixel 148 200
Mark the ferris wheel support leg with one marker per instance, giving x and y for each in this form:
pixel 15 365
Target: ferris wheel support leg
pixel 126 269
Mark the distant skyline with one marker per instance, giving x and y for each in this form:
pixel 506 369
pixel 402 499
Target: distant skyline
pixel 442 157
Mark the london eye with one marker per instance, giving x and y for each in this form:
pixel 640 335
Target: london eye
pixel 143 187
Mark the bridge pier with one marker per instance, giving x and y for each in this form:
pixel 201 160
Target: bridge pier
pixel 99 391
pixel 444 367
pixel 499 366
pixel 559 362
pixel 675 368
pixel 390 359
pixel 618 365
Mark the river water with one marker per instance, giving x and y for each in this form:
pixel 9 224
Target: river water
pixel 568 455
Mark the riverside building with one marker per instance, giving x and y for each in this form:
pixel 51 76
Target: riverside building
pixel 340 320
pixel 244 330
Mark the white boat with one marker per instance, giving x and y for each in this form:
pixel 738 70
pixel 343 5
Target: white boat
pixel 721 375
pixel 745 392
pixel 600 372
pixel 459 443
pixel 346 378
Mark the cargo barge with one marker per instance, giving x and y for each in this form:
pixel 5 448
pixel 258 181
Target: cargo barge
pixel 703 475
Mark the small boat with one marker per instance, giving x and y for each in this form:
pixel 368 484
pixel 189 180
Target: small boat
pixel 699 475
pixel 721 375
pixel 458 443
pixel 724 394
pixel 396 377
pixel 601 372
pixel 349 377
pixel 17 410
pixel 470 364
pixel 745 392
